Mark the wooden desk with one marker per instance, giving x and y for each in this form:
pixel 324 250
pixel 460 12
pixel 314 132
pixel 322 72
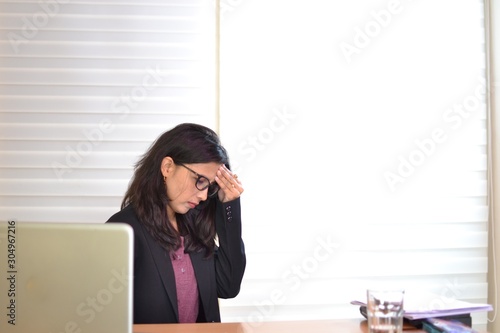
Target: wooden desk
pixel 313 326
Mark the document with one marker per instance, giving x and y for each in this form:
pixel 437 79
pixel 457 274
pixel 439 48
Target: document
pixel 420 304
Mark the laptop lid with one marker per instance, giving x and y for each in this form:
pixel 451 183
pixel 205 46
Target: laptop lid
pixel 66 277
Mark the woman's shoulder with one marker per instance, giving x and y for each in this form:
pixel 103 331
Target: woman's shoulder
pixel 125 215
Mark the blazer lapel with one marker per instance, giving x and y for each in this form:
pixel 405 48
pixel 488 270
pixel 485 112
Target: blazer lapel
pixel 165 270
pixel 201 268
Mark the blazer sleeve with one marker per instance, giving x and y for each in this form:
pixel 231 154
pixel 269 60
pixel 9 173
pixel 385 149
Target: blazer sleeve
pixel 230 258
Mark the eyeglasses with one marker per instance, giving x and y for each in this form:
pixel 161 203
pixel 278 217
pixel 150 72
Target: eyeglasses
pixel 203 183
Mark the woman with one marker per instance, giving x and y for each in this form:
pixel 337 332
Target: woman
pixel 181 198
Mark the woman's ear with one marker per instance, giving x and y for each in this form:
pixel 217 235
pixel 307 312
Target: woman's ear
pixel 167 165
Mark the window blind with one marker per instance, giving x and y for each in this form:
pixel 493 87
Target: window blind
pixel 85 87
pixel 359 129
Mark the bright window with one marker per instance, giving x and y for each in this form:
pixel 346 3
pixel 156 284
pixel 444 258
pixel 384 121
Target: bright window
pixel 359 128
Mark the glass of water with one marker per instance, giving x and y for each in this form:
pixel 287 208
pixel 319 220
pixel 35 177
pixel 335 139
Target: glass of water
pixel 385 311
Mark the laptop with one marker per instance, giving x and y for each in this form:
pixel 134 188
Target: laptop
pixel 65 277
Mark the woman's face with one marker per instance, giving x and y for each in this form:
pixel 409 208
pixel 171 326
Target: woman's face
pixel 181 181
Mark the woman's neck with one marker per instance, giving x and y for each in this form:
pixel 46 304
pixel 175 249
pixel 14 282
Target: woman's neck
pixel 172 218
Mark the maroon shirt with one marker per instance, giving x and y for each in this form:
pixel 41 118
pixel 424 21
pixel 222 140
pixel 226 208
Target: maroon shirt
pixel 187 288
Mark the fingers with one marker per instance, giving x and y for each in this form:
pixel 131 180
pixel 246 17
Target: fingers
pixel 229 183
pixel 227 178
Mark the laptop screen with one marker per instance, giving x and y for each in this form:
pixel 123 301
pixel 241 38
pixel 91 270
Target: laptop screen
pixel 66 277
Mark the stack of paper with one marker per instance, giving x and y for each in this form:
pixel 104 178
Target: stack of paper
pixel 421 304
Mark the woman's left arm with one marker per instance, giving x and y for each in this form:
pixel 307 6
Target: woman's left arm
pixel 230 258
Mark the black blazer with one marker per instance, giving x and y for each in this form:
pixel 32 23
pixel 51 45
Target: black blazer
pixel 155 296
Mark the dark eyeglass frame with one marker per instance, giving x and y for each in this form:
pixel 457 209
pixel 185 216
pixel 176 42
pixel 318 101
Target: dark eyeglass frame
pixel 212 187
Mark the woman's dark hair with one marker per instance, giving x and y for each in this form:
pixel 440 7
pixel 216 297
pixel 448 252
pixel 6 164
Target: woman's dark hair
pixel 185 143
